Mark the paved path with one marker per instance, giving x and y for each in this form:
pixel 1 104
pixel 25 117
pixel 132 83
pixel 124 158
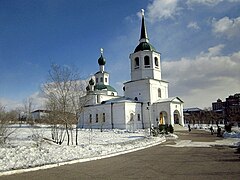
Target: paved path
pixel 158 162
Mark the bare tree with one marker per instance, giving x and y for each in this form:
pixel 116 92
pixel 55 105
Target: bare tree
pixel 63 91
pixel 6 118
pixel 28 107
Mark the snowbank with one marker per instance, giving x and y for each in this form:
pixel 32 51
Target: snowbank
pixel 24 150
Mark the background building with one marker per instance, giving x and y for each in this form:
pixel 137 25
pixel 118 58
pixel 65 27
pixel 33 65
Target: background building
pixel 229 109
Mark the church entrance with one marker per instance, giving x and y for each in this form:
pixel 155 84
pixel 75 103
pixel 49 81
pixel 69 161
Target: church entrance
pixel 163 118
pixel 176 115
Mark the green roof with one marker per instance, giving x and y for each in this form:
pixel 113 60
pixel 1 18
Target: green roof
pixel 104 87
pixel 144 46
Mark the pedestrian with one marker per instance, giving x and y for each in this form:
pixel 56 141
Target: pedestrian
pixel 211 129
pixel 189 128
pixel 219 132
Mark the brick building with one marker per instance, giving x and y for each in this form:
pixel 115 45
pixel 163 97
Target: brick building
pixel 228 109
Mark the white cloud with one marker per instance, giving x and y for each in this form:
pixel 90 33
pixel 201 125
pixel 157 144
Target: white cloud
pixel 213 51
pixel 204 2
pixel 205 78
pixel 162 9
pixel 227 27
pixel 209 2
pixel 193 25
pixel 10 104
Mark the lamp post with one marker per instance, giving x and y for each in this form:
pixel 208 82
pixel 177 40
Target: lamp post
pixel 148 108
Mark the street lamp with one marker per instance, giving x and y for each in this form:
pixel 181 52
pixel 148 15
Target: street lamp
pixel 148 108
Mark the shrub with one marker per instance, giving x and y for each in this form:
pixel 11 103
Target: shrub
pixel 161 127
pixel 228 128
pixel 170 128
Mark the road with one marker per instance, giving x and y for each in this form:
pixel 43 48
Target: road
pixel 158 162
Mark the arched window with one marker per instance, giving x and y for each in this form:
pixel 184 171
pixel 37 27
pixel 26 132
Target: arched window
pixel 101 79
pixel 96 118
pixel 90 118
pixel 139 117
pixel 159 93
pixel 136 61
pixel 103 117
pixel 131 117
pixel 147 62
pixel 156 62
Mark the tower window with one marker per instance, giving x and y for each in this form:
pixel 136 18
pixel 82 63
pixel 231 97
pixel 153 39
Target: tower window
pixel 156 62
pixel 131 117
pixel 159 93
pixel 136 62
pixel 147 62
pixel 105 79
pixel 101 79
pixel 96 80
pixel 139 117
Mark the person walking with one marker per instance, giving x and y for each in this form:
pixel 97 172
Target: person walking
pixel 189 128
pixel 211 129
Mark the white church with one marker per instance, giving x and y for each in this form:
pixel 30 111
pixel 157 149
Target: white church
pixel 145 102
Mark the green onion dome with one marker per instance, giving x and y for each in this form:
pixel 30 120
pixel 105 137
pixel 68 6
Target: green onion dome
pixel 101 60
pixel 144 46
pixel 91 82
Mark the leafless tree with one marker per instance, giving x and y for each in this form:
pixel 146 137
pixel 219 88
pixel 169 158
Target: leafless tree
pixel 28 107
pixel 63 91
pixel 6 118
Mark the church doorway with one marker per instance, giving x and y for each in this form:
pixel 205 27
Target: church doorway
pixel 163 118
pixel 176 115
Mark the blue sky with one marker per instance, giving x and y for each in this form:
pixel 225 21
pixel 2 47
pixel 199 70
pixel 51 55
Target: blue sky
pixel 199 42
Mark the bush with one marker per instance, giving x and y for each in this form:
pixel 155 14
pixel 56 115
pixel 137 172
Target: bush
pixel 161 127
pixel 170 128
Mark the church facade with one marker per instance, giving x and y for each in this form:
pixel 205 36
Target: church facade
pixel 145 102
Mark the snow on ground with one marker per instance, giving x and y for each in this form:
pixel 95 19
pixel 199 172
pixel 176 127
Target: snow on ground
pixel 24 148
pixel 230 139
pixel 235 142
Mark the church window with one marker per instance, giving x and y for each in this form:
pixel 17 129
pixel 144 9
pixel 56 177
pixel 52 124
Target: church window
pixel 101 79
pixel 156 62
pixel 103 117
pixel 136 62
pixel 139 117
pixel 131 117
pixel 147 62
pixel 96 80
pixel 90 118
pixel 159 93
pixel 96 118
pixel 105 79
pixel 98 98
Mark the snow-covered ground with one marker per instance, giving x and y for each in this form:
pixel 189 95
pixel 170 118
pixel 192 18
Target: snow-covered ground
pixel 26 148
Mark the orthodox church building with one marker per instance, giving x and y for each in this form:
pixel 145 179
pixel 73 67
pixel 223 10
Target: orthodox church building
pixel 145 102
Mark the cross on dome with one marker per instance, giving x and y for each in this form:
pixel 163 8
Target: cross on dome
pixel 142 12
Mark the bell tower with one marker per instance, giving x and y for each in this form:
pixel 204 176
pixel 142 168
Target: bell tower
pixel 146 84
pixel 145 61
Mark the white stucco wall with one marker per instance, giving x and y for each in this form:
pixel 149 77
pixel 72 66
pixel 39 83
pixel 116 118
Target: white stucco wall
pixel 146 90
pixel 117 115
